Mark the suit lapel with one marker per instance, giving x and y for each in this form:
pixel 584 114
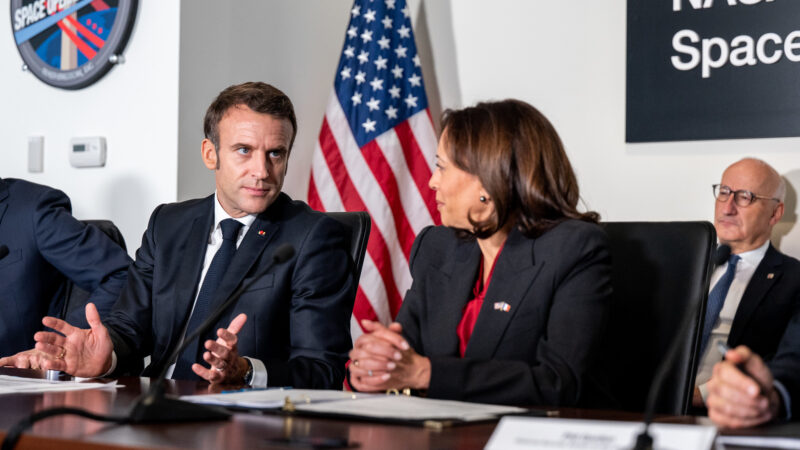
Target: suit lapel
pixel 452 292
pixel 507 287
pixel 194 256
pixel 766 275
pixel 261 232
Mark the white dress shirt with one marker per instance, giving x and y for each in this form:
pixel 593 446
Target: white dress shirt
pixel 722 328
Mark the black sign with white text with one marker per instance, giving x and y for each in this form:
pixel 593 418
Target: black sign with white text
pixel 712 69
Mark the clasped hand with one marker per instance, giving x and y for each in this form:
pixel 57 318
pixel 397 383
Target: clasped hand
pixel 738 400
pixel 87 352
pixel 381 359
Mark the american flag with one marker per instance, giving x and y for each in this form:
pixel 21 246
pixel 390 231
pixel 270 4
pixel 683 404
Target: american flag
pixel 376 150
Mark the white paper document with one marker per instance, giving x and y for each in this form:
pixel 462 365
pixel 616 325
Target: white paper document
pixel 22 385
pixel 546 434
pixel 375 406
pixel 403 407
pixel 271 398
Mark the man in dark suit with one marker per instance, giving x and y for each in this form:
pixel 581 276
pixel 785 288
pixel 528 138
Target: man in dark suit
pixel 46 246
pixel 292 323
pixel 755 295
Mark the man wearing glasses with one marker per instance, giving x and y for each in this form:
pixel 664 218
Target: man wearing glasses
pixel 752 300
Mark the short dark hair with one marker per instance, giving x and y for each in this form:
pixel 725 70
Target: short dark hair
pixel 260 97
pixel 519 159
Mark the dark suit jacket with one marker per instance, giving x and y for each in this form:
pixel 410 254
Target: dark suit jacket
pixel 47 245
pixel 298 314
pixel 768 319
pixel 541 350
pixel 785 365
pixel 767 305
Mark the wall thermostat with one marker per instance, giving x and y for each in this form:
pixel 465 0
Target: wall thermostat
pixel 87 152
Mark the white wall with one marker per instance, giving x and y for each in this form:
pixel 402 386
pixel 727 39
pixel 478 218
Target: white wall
pixel 135 107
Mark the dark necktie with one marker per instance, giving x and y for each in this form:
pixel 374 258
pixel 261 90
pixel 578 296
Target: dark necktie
pixel 202 307
pixel 716 299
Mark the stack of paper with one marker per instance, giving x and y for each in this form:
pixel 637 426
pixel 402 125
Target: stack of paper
pixel 19 385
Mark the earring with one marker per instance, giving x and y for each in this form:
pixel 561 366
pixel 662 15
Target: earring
pixel 483 199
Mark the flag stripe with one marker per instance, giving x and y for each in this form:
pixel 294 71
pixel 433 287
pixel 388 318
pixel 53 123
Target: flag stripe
pixel 352 201
pixel 418 166
pixel 412 201
pixel 371 282
pixel 385 177
pixel 313 196
pixel 365 184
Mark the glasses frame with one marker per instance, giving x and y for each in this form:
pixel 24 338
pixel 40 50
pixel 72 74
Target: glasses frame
pixel 716 188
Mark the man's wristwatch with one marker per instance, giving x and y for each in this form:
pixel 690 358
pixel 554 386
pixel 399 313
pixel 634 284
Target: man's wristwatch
pixel 248 376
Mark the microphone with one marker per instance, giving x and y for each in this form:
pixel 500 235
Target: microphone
pixel 3 251
pixel 644 441
pixel 155 406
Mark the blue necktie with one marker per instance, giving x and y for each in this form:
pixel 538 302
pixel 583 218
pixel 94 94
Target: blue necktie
pixel 202 307
pixel 716 299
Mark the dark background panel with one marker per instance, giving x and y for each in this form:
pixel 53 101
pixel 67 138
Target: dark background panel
pixel 667 104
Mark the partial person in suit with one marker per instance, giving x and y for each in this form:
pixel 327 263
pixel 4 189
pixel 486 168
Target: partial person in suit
pixel 46 248
pixel 510 297
pixel 292 323
pixel 760 315
pixel 753 297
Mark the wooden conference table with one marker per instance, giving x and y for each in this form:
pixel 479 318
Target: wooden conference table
pixel 243 431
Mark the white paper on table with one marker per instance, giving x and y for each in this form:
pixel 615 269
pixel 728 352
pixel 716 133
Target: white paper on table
pixel 760 441
pixel 404 407
pixel 22 385
pixel 548 433
pixel 272 398
pixel 375 406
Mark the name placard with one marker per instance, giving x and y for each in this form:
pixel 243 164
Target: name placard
pixel 546 433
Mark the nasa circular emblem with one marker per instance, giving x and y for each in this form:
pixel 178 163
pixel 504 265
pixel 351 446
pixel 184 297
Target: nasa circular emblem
pixel 71 44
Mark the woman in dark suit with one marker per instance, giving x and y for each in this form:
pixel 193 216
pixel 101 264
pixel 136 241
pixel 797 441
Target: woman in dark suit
pixel 510 297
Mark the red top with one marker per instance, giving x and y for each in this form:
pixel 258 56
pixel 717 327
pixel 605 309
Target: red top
pixel 473 307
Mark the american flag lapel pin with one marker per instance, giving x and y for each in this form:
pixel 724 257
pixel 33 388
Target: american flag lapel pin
pixel 261 232
pixel 770 276
pixel 502 306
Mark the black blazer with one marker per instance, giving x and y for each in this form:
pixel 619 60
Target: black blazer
pixel 47 246
pixel 767 305
pixel 298 314
pixel 540 351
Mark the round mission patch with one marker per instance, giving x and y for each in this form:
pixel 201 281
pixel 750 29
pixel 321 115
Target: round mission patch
pixel 70 44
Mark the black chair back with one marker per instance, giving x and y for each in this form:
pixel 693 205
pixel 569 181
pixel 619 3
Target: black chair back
pixel 660 270
pixel 76 297
pixel 358 223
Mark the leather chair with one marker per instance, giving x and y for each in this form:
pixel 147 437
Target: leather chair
pixel 660 276
pixel 359 224
pixel 75 297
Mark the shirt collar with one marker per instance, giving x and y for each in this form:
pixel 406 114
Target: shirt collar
pixel 220 214
pixel 754 257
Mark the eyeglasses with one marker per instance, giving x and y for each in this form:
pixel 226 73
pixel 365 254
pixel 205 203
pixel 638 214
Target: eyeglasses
pixel 742 198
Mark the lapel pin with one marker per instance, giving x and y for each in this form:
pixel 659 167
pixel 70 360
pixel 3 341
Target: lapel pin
pixel 261 232
pixel 770 276
pixel 502 306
